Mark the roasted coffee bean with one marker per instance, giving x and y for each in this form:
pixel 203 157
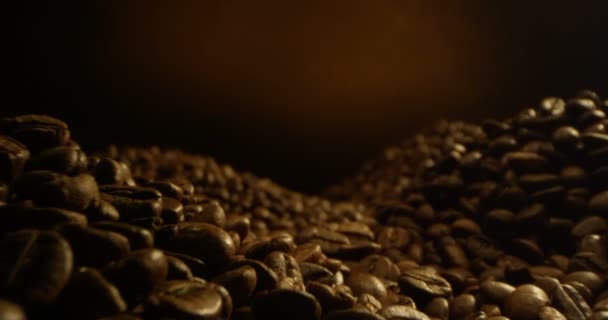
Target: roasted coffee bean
pixel 13 156
pixel 167 189
pixel 177 269
pixel 36 265
pixel 352 314
pixel 102 211
pixel 287 270
pixel 462 306
pixel 286 304
pixel 402 312
pixel 172 212
pixel 11 311
pixel 379 266
pixel 133 202
pixel 331 298
pixel 438 308
pixel 138 273
pixel 566 299
pixel 197 267
pixel 50 189
pixel 189 299
pixel 361 282
pixel 424 284
pixel 63 159
pixel 267 279
pixel 315 272
pixel 37 132
pixel 525 302
pixel 186 238
pixel 89 295
pixel 95 247
pixel 239 282
pixel 139 237
pixel 599 203
pixel 261 248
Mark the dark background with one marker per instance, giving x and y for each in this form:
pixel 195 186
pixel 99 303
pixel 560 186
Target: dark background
pixel 300 91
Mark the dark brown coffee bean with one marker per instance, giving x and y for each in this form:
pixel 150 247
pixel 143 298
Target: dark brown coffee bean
pixel 462 306
pixel 167 189
pixel 591 280
pixel 267 279
pixel 259 249
pixel 102 211
pixel 331 298
pixel 315 272
pixel 186 238
pixel 138 273
pixel 177 269
pixel 36 265
pixel 95 247
pixel 11 311
pixel 287 270
pixel 599 203
pixel 398 312
pixel 361 282
pixel 589 225
pixel 111 172
pixel 15 217
pixel 238 224
pixel 525 302
pixel 549 313
pixel 139 237
pixel 286 304
pixel 438 308
pixel 37 132
pixel 13 156
pixel 197 267
pixel 239 282
pixel 172 211
pixel 50 189
pixel 189 299
pixel 379 266
pixel 63 159
pixel 133 202
pixel 525 162
pixel 424 284
pixel 570 303
pixel 88 295
pixel 212 214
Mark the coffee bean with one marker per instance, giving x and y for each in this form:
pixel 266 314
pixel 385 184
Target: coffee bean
pixel 525 162
pixel 172 211
pixel 286 304
pixel 525 302
pixel 36 265
pixel 267 279
pixel 102 211
pixel 196 266
pixel 239 282
pixel 133 202
pixel 89 295
pixel 402 312
pixel 11 311
pixel 63 159
pixel 462 305
pixel 361 282
pixel 259 249
pixel 287 270
pixel 138 237
pixel 213 214
pixel 352 314
pixel 177 269
pixel 599 203
pixel 331 298
pixel 37 132
pixel 189 299
pixel 438 308
pixel 186 238
pixel 50 189
pixel 13 156
pixel 95 247
pixel 424 284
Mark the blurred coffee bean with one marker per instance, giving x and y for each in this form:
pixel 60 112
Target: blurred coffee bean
pixel 37 132
pixel 63 159
pixel 196 266
pixel 139 237
pixel 525 302
pixel 35 267
pixel 423 284
pixel 11 311
pixel 133 202
pixel 13 156
pixel 186 238
pixel 189 299
pixel 88 295
pixel 239 282
pixel 95 247
pixel 402 312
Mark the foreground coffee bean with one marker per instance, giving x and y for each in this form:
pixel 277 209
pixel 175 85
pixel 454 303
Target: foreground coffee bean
pixel 179 299
pixel 11 311
pixel 525 303
pixel 424 284
pixel 35 267
pixel 37 132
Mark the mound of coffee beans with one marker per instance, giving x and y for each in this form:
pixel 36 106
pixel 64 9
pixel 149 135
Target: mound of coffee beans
pixel 501 220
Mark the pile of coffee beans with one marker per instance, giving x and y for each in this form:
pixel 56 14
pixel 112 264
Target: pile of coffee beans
pixel 503 220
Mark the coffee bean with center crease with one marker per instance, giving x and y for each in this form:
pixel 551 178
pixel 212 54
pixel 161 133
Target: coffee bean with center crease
pixel 13 156
pixel 187 238
pixel 188 299
pixel 197 267
pixel 35 267
pixel 239 282
pixel 139 237
pixel 88 295
pixel 63 159
pixel 398 312
pixel 50 189
pixel 11 311
pixel 37 132
pixel 177 269
pixel 287 269
pixel 133 202
pixel 525 303
pixel 424 284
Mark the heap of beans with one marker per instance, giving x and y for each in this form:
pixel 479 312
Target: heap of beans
pixel 506 220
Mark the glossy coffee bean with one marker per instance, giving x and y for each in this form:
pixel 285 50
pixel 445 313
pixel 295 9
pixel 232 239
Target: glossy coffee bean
pixel 189 299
